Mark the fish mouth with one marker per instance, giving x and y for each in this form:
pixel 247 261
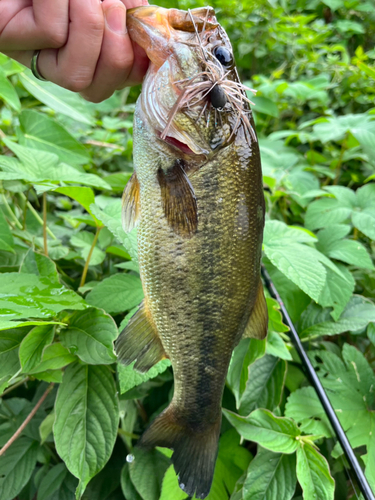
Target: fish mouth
pixel 184 148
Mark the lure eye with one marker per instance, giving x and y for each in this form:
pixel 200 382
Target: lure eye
pixel 223 55
pixel 217 97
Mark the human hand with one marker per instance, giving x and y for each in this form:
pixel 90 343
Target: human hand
pixel 86 45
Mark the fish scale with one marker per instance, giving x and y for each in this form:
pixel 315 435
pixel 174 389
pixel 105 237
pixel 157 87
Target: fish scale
pixel 201 218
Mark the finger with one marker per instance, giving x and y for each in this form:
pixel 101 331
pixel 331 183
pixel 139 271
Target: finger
pixel 73 66
pixel 116 57
pixel 129 4
pixel 34 24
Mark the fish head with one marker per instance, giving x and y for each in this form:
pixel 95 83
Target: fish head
pixel 191 95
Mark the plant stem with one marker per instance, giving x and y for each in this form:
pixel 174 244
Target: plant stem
pixel 36 215
pixel 85 269
pixel 10 211
pixel 355 233
pixel 10 389
pixel 18 432
pixel 45 243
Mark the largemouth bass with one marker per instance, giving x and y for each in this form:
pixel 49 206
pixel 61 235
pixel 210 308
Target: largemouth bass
pixel 197 199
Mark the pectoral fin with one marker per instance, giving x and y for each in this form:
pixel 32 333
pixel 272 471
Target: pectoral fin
pixel 256 327
pixel 140 341
pixel 130 204
pixel 178 198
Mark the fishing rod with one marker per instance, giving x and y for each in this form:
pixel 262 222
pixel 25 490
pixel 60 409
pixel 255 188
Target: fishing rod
pixel 314 379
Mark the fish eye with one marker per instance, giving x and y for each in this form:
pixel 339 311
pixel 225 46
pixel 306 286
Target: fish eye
pixel 223 55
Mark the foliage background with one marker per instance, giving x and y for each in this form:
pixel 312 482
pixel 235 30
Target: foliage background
pixel 63 166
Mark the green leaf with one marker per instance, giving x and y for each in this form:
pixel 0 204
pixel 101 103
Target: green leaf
pixel 33 345
pixel 277 434
pixel 118 293
pixel 16 466
pixel 305 408
pixel 333 4
pixel 10 341
pixel 90 336
pixel 55 97
pixel 356 316
pixel 86 422
pixel 55 356
pixel 349 251
pixel 43 133
pixel 338 290
pixel 277 347
pixel 40 265
pixel 313 474
pixel 41 167
pixel 270 476
pixel 147 471
pixel 46 427
pixel 127 487
pixel 83 241
pixel 170 487
pixel 52 481
pixel 85 197
pixel 110 216
pixel 264 105
pixel 300 263
pixel 265 385
pixel 247 351
pixel 26 295
pixel 129 378
pixel 8 93
pixel 6 238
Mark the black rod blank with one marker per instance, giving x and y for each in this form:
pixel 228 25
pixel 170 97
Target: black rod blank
pixel 314 379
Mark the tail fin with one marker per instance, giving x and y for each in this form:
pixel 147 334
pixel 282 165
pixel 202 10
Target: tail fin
pixel 194 454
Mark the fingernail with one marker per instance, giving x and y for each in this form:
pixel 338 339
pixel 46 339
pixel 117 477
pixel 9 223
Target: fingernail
pixel 116 20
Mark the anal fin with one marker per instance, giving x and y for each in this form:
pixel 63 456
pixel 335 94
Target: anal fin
pixel 130 204
pixel 140 341
pixel 257 324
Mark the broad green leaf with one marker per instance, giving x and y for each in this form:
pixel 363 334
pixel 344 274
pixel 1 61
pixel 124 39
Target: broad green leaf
pixel 10 341
pixel 334 4
pixel 6 324
pixel 305 408
pixel 170 487
pixel 41 167
pixel 6 238
pixel 55 356
pixel 128 489
pixel 356 316
pixel 247 351
pixel 110 216
pixel 16 466
pixel 277 347
pixel 264 386
pixel 118 293
pixel 26 295
pixel 147 471
pixel 86 422
pixel 278 434
pixel 349 251
pixel 275 319
pixel 300 263
pixel 43 133
pixel 33 345
pixel 326 212
pixel 129 378
pixel 90 336
pixel 264 105
pixel 55 97
pixel 83 242
pixel 313 474
pixel 338 290
pixel 8 93
pixel 85 197
pixel 40 265
pixel 46 427
pixel 52 481
pixel 270 476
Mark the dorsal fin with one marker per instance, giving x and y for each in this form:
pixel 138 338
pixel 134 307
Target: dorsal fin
pixel 140 341
pixel 178 198
pixel 257 324
pixel 130 204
